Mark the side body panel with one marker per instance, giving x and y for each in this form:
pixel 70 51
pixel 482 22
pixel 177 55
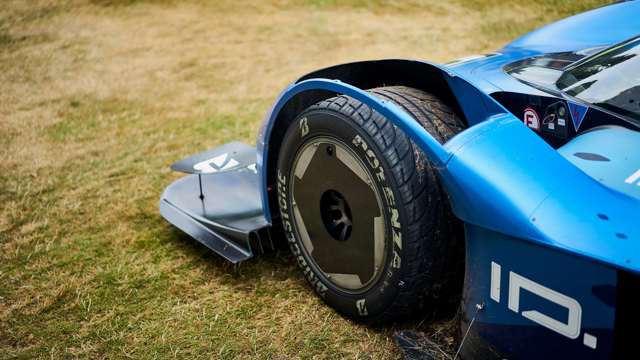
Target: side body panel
pixel 535 302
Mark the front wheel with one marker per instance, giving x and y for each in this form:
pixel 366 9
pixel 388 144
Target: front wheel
pixel 362 208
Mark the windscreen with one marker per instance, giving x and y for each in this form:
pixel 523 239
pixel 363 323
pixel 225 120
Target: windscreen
pixel 610 79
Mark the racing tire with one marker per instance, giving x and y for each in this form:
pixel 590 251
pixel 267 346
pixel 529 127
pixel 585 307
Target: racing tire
pixel 362 208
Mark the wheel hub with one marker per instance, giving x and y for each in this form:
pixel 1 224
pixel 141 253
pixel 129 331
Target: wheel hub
pixel 338 213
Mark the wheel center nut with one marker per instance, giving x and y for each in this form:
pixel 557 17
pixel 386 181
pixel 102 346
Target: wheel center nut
pixel 336 215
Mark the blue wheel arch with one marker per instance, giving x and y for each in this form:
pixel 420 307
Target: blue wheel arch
pixel 353 79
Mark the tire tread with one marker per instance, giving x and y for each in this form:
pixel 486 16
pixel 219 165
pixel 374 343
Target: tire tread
pixel 431 226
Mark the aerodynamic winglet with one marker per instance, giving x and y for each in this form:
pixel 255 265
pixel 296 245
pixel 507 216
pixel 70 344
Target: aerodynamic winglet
pixel 229 157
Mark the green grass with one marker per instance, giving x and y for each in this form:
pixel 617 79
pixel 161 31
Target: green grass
pixel 117 3
pixel 99 97
pixel 5 39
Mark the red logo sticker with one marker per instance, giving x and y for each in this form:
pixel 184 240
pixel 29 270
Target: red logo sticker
pixel 531 119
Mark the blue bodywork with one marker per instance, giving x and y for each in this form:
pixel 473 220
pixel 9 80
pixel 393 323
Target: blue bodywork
pixel 556 230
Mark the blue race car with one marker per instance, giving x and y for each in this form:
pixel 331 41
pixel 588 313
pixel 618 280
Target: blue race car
pixel 509 182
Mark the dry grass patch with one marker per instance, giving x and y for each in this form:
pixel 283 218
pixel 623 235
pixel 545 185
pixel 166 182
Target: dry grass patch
pixel 98 97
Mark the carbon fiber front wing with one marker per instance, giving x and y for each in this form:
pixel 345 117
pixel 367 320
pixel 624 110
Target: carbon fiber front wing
pixel 218 203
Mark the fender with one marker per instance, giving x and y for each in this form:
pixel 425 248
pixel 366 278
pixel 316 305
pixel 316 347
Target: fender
pixel 533 192
pixel 465 99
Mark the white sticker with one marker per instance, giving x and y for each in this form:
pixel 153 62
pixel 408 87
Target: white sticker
pixel 571 327
pixel 496 272
pixel 633 178
pixel 531 119
pixel 215 164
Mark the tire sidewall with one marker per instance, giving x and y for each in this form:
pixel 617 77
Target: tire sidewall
pixel 319 122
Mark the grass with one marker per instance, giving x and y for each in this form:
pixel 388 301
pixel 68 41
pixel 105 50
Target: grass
pixel 99 97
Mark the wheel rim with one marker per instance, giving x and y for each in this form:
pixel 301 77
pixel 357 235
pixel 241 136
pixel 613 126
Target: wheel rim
pixel 338 214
